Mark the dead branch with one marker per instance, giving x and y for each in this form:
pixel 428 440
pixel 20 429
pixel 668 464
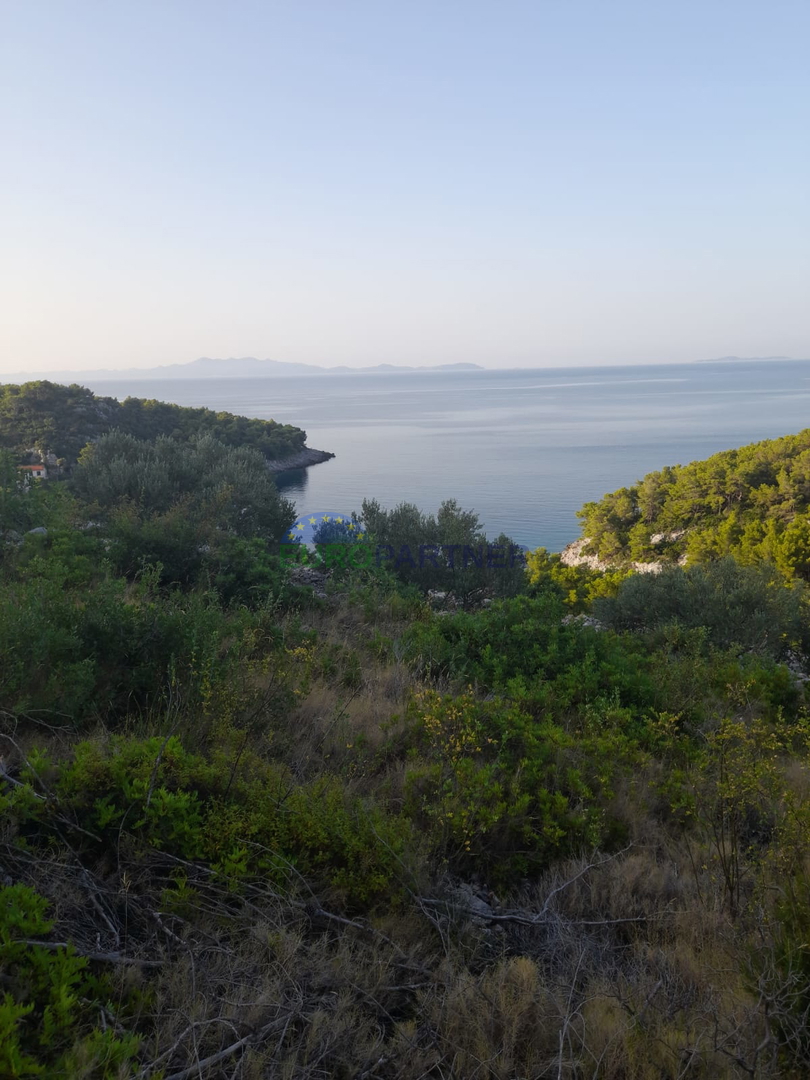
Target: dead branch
pixel 104 958
pixel 222 1055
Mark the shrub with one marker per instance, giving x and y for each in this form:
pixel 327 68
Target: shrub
pixel 577 586
pixel 448 551
pixel 51 1001
pixel 245 818
pixel 220 488
pixel 746 607
pixel 501 794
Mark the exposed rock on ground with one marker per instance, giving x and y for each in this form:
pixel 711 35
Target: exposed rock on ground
pixel 584 620
pixel 667 537
pixel 311 578
pixel 797 666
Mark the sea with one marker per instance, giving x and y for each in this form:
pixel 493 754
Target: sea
pixel 523 448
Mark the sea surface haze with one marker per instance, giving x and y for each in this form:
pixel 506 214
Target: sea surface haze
pixel 524 448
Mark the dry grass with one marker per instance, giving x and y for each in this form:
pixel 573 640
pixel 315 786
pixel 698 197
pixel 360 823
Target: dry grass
pixel 412 996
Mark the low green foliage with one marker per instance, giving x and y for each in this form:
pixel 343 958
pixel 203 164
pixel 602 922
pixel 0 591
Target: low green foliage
pixel 51 1001
pixel 578 586
pixel 501 794
pixel 748 607
pixel 116 648
pixel 522 648
pixel 249 819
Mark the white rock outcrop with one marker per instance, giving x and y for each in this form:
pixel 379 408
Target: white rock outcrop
pixel 572 555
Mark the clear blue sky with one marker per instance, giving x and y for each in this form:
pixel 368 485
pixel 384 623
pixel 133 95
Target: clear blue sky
pixel 420 181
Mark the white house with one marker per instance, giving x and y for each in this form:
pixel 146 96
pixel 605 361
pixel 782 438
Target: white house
pixel 33 472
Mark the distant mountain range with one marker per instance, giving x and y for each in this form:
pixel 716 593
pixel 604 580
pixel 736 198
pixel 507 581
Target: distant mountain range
pixel 245 367
pixel 745 359
pixel 242 367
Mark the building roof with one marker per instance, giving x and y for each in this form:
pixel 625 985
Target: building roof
pixel 32 468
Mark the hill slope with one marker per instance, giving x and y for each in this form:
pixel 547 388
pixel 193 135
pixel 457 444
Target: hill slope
pixel 51 418
pixel 752 503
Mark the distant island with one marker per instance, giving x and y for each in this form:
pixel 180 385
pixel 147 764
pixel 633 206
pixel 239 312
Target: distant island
pixel 243 367
pixel 747 359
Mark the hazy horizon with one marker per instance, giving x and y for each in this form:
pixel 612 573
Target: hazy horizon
pixel 527 185
pixel 334 369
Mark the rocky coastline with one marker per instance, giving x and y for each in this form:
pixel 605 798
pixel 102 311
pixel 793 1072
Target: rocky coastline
pixel 301 459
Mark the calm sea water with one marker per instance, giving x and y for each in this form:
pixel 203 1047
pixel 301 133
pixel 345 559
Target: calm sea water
pixel 525 449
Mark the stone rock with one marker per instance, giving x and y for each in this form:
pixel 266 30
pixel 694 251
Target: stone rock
pixel 466 898
pixel 583 620
pixel 573 555
pixel 667 537
pixel 309 577
pixel 797 666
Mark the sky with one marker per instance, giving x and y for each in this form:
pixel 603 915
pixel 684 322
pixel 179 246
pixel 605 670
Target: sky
pixel 544 183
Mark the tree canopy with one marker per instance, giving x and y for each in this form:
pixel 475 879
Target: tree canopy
pixel 47 417
pixel 752 503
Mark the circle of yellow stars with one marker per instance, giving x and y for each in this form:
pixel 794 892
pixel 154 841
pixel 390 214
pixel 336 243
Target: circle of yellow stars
pixel 300 526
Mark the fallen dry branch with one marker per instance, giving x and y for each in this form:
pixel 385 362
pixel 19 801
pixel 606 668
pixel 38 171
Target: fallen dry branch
pixel 196 1070
pixel 101 957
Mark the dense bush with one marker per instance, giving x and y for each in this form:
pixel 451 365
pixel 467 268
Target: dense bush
pixel 448 552
pixel 227 489
pixel 193 509
pixel 503 795
pixel 251 821
pixel 115 649
pixel 747 607
pixel 522 648
pixel 577 586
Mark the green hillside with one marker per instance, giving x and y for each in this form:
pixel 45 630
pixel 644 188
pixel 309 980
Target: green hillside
pixel 48 417
pixel 752 503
